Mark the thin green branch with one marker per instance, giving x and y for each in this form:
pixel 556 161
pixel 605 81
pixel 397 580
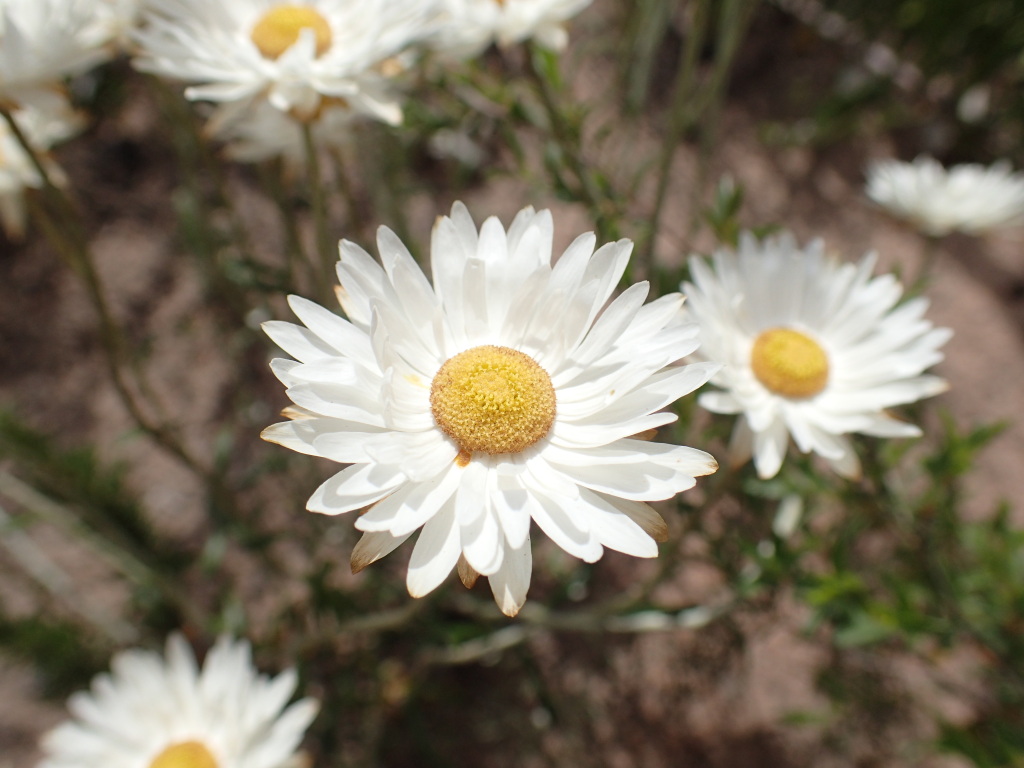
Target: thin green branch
pixel 597 197
pixel 326 252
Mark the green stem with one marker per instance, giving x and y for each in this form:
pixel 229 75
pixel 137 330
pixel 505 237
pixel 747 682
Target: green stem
pixel 272 175
pixel 326 252
pixel 599 201
pixel 345 188
pixel 922 277
pixel 683 116
pixel 68 237
pixel 733 21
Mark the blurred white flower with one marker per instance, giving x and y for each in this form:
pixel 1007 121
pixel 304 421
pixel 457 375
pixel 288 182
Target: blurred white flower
pixel 43 123
pixel 499 395
pixel 258 131
pixel 44 41
pixel 787 516
pixel 293 54
pixel 152 712
pixel 967 198
pixel 468 26
pixel 812 349
pixel 114 21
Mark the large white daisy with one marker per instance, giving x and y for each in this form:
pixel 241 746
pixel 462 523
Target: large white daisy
pixel 499 395
pixel 967 198
pixel 812 349
pixel 151 712
pixel 296 54
pixel 469 26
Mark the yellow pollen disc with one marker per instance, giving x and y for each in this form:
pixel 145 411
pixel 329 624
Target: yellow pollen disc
pixel 789 363
pixel 187 754
pixel 279 28
pixel 493 399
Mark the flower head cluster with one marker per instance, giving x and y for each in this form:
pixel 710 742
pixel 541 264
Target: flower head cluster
pixel 155 712
pixel 812 349
pixel 299 56
pixel 504 393
pixel 966 198
pixel 469 26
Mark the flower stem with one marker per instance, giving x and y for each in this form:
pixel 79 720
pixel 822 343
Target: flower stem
pixel 682 117
pixel 61 224
pixel 326 253
pixel 595 192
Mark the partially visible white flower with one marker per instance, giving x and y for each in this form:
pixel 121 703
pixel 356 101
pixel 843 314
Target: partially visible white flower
pixel 506 392
pixel 44 123
pixel 114 21
pixel 469 26
pixel 156 712
pixel 44 41
pixel 457 145
pixel 813 349
pixel 967 198
pixel 294 54
pixel 260 132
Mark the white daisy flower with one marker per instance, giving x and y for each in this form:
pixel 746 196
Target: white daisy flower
pixel 151 712
pixel 499 395
pixel 469 26
pixel 812 349
pixel 115 21
pixel 966 198
pixel 44 123
pixel 44 41
pixel 295 54
pixel 259 132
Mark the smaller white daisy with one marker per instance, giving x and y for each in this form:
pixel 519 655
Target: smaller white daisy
pixel 966 198
pixel 812 348
pixel 115 21
pixel 295 54
pixel 43 123
pixel 151 712
pixel 469 26
pixel 258 132
pixel 44 41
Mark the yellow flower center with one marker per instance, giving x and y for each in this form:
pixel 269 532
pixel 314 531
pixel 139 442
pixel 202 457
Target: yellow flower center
pixel 279 29
pixel 789 363
pixel 186 754
pixel 493 399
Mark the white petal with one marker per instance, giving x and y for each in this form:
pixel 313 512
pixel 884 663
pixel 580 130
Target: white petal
pixel 354 487
pixel 483 544
pixel 770 449
pixel 339 333
pixel 435 554
pixel 511 581
pixel 411 506
pixel 615 529
pixel 566 529
pixel 300 343
pixel 512 506
pixel 372 546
